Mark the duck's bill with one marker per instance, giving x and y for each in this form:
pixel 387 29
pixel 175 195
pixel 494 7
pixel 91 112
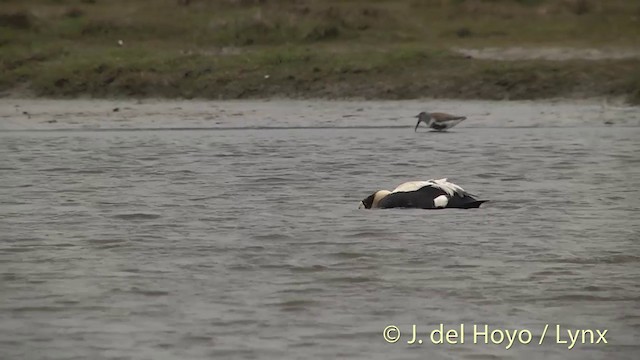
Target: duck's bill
pixel 361 206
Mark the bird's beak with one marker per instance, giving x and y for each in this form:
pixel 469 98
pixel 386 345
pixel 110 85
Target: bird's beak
pixel 361 206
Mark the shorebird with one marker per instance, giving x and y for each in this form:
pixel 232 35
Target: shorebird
pixel 438 121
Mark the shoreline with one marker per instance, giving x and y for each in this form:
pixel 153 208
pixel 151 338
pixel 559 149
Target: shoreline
pixel 593 100
pixel 148 114
pixel 576 97
pixel 402 72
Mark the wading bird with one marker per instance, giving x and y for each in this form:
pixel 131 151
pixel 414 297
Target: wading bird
pixel 438 121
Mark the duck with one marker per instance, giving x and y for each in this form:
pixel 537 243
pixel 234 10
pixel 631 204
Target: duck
pixel 428 194
pixel 438 121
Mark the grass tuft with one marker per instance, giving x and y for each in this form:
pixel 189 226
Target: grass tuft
pixel 16 20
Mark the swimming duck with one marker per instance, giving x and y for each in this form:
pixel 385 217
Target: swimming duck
pixel 429 194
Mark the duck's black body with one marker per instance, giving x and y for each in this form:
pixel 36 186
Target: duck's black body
pixel 424 199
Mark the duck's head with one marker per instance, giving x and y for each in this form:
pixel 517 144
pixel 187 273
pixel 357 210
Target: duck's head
pixel 372 201
pixel 423 116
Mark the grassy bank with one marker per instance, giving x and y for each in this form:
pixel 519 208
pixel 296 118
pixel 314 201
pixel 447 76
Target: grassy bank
pixel 331 49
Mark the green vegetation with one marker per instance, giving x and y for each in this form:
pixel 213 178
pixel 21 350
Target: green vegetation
pixel 394 49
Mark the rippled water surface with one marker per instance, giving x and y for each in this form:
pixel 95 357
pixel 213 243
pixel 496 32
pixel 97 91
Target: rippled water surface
pixel 247 243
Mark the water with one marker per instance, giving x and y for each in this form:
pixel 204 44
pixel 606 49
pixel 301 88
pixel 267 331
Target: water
pixel 248 244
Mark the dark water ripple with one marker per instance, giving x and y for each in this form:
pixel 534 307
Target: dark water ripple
pixel 248 244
